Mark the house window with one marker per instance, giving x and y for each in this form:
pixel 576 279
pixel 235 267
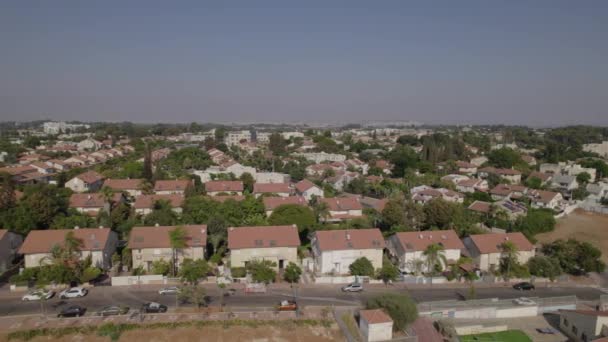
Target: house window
pixel 584 337
pixel 565 322
pixel 574 330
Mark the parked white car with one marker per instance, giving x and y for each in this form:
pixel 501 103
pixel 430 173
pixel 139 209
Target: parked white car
pixel 524 301
pixel 38 295
pixel 74 292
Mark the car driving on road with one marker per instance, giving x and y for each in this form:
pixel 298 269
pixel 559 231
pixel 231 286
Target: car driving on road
pixel 72 311
pixel 524 286
pixel 171 290
pixel 113 310
pixel 38 295
pixel 354 287
pixel 153 307
pixel 73 292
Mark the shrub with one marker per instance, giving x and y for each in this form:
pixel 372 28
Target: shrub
pixel 238 272
pixel 400 307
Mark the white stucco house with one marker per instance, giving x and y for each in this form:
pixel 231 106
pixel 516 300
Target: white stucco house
pixel 278 244
pixel 486 249
pixel 99 243
pixel 308 189
pixel 335 250
pixel 149 244
pixel 85 182
pixel 409 247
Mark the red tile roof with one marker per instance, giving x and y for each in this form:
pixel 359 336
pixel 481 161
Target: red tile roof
pixel 491 243
pixel 304 185
pixel 263 237
pixel 42 241
pixel 224 186
pixel 419 241
pixel 147 201
pixel 271 203
pixel 90 177
pixel 172 185
pixel 375 316
pixel 331 240
pixel 480 206
pixel 96 200
pixel 123 184
pixel 158 237
pixel 259 188
pixel 342 203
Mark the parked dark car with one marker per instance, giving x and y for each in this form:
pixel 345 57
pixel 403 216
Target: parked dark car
pixel 113 310
pixel 524 286
pixel 153 308
pixel 72 311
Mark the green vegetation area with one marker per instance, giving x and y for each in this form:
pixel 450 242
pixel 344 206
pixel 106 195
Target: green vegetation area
pixel 503 336
pixel 114 331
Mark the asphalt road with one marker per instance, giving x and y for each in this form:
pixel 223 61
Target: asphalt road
pixel 134 297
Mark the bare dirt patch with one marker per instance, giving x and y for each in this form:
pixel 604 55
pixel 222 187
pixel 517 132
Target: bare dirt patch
pixel 263 333
pixel 583 226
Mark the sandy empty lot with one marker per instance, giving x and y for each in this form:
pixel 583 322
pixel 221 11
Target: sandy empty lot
pixel 583 226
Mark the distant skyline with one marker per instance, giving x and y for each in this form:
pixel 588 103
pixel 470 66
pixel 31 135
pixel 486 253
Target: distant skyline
pixel 540 63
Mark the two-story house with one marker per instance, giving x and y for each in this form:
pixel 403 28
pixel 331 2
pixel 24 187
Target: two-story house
pixel 409 248
pixel 487 249
pixel 278 244
pixel 335 250
pixel 85 182
pixel 99 243
pixel 149 244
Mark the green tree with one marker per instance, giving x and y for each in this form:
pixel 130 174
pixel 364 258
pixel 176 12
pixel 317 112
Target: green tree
pixel 536 221
pixel 147 172
pixel 161 267
pixel 575 257
pixel 542 266
pixel 262 271
pixel 389 272
pixel 162 214
pixel 193 294
pixel 7 191
pixel 248 181
pixel 177 239
pixel 288 214
pixel 400 307
pixel 362 267
pixel 402 158
pixel 439 213
pixel 583 178
pixel 292 273
pixel 505 158
pixel 90 273
pixel 191 271
pixel 277 144
pixel 435 258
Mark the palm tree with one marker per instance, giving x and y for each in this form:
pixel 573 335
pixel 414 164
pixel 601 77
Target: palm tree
pixel 509 256
pixel 177 239
pixel 435 255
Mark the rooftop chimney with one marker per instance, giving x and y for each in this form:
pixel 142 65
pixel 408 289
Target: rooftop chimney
pixel 76 227
pixel 347 236
pixel 156 224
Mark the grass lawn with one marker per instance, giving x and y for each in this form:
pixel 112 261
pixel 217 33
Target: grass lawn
pixel 503 336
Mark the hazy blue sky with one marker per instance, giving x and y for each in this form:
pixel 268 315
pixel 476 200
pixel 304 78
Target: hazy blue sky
pixel 527 62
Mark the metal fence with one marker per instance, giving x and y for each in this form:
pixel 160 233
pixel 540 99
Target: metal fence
pixel 493 302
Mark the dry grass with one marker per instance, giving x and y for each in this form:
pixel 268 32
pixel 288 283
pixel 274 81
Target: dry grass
pixel 583 226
